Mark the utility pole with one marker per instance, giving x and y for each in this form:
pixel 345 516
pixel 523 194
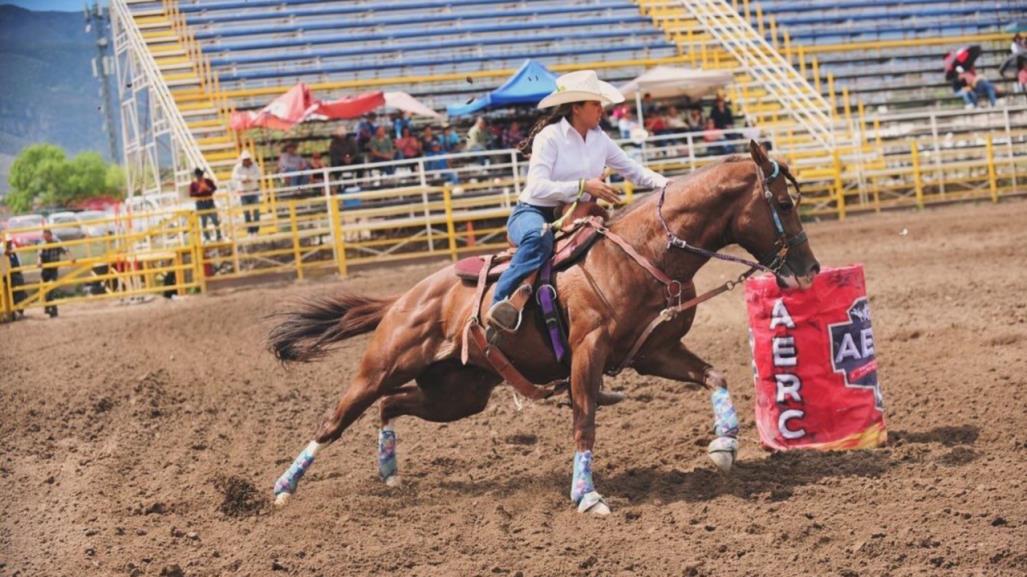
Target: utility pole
pixel 98 20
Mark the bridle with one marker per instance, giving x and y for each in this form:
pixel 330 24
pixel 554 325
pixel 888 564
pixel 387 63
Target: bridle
pixel 675 306
pixel 773 261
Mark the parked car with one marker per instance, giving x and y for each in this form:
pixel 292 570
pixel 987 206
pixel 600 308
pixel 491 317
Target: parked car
pixel 65 226
pixel 96 223
pixel 26 237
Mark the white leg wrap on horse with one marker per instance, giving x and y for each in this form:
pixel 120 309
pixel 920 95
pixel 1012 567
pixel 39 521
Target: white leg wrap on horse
pixel 286 484
pixel 388 468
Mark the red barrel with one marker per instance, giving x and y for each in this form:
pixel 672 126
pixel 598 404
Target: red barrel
pixel 815 364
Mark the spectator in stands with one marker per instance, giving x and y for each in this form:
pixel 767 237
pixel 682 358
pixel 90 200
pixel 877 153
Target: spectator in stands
pixel 1019 45
pixel 513 135
pixel 695 121
pixel 366 130
pixel 655 123
pixel 714 139
pixel 648 105
pixel 290 161
pixel 435 163
pixel 971 86
pixel 721 113
pixel 675 122
pixel 316 163
pixel 450 139
pixel 381 149
pixel 246 184
pixel 427 136
pixel 399 123
pixel 1021 76
pixel 408 145
pixel 13 263
pixel 48 255
pixel 627 124
pixel 202 189
pixel 343 149
pixel 1019 55
pixel 477 136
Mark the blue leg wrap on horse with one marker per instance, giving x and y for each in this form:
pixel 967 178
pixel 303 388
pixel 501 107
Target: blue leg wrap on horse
pixel 581 484
pixel 725 419
pixel 387 453
pixel 291 477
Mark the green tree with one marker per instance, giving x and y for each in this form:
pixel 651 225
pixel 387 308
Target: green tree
pixel 115 181
pixel 42 175
pixel 37 176
pixel 87 177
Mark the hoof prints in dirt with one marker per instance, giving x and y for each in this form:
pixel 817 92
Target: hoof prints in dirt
pixel 241 498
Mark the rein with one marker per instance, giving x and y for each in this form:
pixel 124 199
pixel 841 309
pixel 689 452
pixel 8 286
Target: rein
pixel 675 306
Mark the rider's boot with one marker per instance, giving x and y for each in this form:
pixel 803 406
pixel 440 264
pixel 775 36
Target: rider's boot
pixel 506 314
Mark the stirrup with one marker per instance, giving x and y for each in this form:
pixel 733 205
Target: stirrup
pixel 504 316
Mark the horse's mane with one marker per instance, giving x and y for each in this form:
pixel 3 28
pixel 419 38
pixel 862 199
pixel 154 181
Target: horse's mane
pixel 734 158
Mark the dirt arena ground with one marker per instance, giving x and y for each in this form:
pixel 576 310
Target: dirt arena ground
pixel 144 440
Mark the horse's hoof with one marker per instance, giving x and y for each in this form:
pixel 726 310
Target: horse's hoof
pixel 593 503
pixel 722 452
pixel 281 499
pixel 393 481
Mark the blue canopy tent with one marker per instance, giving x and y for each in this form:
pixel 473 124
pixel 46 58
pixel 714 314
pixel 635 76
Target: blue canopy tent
pixel 530 84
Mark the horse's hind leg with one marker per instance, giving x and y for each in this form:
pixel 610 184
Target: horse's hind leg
pixel 680 364
pixel 444 392
pixel 380 373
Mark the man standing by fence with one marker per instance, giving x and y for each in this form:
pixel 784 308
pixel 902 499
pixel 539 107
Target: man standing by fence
pixel 246 183
pixel 48 256
pixel 202 189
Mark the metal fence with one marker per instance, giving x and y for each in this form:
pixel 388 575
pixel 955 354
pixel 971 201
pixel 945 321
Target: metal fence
pixel 327 220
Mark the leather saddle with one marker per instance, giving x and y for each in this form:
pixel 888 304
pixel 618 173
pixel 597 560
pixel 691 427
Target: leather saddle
pixel 575 237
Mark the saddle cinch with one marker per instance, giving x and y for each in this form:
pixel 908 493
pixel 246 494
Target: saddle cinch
pixel 577 232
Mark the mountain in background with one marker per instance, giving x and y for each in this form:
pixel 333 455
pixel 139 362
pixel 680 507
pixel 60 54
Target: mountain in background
pixel 49 93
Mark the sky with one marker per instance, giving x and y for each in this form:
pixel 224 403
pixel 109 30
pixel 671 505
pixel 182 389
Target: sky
pixel 43 5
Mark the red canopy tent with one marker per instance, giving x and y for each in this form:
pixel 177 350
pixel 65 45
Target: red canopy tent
pixel 298 104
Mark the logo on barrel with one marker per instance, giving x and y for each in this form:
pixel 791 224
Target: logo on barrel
pixel 852 350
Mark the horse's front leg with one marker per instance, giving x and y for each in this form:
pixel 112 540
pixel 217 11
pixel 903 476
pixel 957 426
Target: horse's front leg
pixel 586 378
pixel 680 364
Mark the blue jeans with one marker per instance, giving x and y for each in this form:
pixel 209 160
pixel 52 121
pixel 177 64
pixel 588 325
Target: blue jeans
pixel 534 246
pixel 252 217
pixel 983 88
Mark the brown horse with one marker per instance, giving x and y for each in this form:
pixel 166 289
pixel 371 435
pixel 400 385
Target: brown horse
pixel 606 295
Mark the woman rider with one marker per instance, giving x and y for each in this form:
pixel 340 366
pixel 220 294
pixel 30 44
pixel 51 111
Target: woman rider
pixel 568 153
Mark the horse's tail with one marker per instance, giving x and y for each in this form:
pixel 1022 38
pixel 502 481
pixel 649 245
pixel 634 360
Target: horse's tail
pixel 306 333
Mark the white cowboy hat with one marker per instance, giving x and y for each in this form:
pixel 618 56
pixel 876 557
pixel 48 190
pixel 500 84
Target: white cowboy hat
pixel 581 86
pixel 245 156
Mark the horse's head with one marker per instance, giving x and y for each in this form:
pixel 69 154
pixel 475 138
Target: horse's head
pixel 768 225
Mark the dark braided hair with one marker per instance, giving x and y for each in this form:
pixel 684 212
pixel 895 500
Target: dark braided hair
pixel 558 114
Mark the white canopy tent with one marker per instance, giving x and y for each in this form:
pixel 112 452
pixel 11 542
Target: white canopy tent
pixel 671 81
pixel 406 103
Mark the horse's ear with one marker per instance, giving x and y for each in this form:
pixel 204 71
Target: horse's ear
pixel 759 155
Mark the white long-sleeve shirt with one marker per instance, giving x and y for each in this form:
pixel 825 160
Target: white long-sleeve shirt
pixel 245 180
pixel 560 158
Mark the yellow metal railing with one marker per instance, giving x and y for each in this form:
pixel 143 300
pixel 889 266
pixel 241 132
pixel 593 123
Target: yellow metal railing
pixel 166 253
pixel 128 258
